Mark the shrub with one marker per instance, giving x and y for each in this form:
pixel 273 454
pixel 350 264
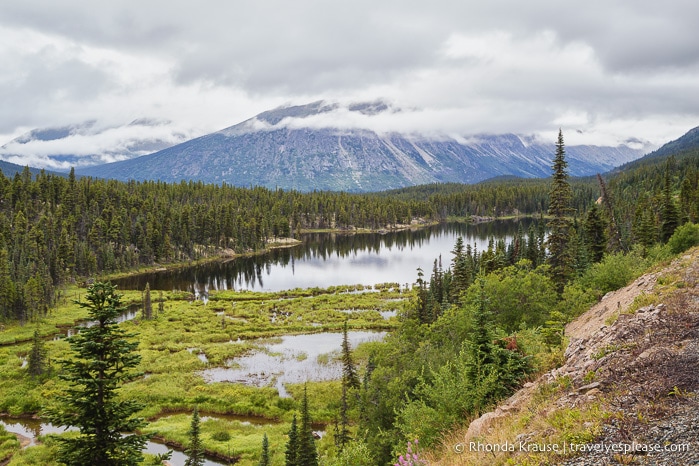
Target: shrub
pixel 614 272
pixel 221 436
pixel 355 453
pixel 684 238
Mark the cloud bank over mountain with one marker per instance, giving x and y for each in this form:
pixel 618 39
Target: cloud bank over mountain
pixel 605 72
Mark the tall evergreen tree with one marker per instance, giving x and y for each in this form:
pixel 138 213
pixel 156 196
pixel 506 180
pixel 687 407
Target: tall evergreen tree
pixel 147 303
pixel 292 445
pixel 595 234
pixel 104 359
pixel 161 302
pixel 461 274
pixel 307 453
pixel 559 226
pixel 668 215
pixel 644 226
pixel 264 457
pixel 423 310
pixel 613 230
pixel 37 356
pixel 195 452
pixel 349 372
pixel 342 433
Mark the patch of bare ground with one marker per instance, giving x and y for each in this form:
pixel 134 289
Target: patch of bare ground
pixel 626 393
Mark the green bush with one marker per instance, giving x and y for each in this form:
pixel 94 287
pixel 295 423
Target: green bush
pixel 684 238
pixel 221 436
pixel 614 272
pixel 356 453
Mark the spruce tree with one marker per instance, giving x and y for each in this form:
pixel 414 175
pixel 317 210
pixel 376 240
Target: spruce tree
pixel 161 302
pixel 292 445
pixel 613 231
pixel 342 434
pixel 648 233
pixel 595 234
pixel 37 356
pixel 560 198
pixel 264 457
pixel 480 336
pixel 307 453
pixel 668 214
pixel 349 373
pixel 147 303
pixel 104 359
pixel 195 452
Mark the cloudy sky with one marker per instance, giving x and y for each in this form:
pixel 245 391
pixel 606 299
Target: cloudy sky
pixel 606 71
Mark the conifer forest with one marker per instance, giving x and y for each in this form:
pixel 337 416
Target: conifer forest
pixel 471 328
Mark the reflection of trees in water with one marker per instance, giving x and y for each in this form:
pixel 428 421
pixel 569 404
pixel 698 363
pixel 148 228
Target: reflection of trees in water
pixel 249 272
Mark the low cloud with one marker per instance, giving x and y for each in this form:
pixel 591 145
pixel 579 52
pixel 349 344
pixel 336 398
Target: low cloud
pixel 90 144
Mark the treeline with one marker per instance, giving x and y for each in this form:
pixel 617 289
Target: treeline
pixel 496 198
pixel 655 196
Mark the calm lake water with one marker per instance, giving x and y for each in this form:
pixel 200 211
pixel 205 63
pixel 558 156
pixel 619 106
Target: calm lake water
pixel 327 259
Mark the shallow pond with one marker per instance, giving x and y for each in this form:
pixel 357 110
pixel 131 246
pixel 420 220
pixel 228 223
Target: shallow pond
pixel 291 359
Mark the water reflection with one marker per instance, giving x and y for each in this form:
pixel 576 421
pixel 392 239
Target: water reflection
pixel 327 259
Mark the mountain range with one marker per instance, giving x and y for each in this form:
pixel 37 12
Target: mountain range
pixel 286 148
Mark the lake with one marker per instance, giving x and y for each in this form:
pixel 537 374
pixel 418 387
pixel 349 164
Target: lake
pixel 327 259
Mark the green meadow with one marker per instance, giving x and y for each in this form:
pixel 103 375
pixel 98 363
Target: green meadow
pixel 187 336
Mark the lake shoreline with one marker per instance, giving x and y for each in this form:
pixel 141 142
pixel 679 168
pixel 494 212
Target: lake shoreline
pixel 275 243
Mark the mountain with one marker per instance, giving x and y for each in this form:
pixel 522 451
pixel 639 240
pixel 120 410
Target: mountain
pixel 686 142
pixel 89 143
pixel 303 148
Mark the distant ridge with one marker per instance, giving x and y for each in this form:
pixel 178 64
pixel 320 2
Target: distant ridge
pixel 9 169
pixel 61 147
pixel 687 142
pixel 288 148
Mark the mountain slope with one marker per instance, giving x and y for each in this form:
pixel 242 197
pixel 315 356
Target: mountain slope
pixel 688 141
pixel 9 169
pixel 296 148
pixel 685 143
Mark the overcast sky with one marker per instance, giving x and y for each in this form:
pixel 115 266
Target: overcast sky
pixel 605 71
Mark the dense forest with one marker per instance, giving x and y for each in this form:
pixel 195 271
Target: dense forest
pixel 56 229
